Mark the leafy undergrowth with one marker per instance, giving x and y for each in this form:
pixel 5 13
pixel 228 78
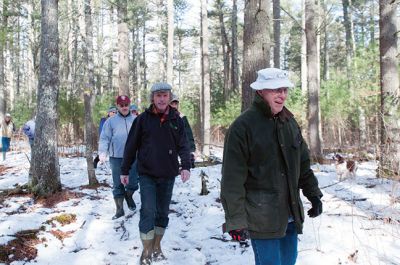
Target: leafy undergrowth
pixel 23 247
pixel 63 219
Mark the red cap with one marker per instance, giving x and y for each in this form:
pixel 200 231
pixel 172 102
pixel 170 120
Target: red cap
pixel 123 100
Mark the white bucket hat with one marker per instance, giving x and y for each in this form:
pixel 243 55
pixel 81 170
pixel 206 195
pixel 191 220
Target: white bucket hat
pixel 271 78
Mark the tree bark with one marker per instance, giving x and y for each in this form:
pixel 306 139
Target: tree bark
pixel 235 65
pixel 3 45
pixel 277 32
pixel 45 165
pixel 348 26
pixel 205 78
pixel 170 48
pixel 313 84
pixel 123 48
pixel 304 87
pixel 390 119
pixel 256 45
pixel 226 50
pixel 372 23
pixel 88 93
pixel 325 73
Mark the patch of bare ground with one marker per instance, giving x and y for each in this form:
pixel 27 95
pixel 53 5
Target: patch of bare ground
pixel 60 235
pixel 61 196
pixel 4 170
pixel 23 247
pixel 96 186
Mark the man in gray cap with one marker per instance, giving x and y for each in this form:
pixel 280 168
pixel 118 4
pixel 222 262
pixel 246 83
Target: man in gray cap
pixel 266 163
pixel 156 139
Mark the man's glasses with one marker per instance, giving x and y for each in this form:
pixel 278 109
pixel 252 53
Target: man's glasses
pixel 281 90
pixel 124 105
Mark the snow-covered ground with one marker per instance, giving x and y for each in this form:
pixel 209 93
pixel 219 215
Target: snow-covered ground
pixel 360 223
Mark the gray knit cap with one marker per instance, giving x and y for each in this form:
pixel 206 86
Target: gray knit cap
pixel 160 86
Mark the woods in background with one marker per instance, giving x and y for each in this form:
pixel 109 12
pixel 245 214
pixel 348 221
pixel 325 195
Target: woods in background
pixel 347 61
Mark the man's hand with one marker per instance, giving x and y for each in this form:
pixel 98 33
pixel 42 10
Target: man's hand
pixel 316 208
pixel 240 235
pixel 102 158
pixel 185 175
pixel 124 179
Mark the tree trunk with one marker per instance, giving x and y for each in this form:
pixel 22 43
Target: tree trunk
pixel 161 48
pixel 372 23
pixel 313 84
pixel 304 87
pixel 325 73
pixel 170 48
pixel 277 32
pixel 144 57
pixel 88 92
pixel 45 166
pixel 32 74
pixel 390 118
pixel 350 48
pixel 205 78
pixel 256 45
pixel 17 63
pixel 3 45
pixel 348 26
pixel 235 65
pixel 226 49
pixel 123 48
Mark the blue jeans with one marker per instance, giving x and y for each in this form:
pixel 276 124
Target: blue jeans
pixel 118 187
pixel 5 143
pixel 155 196
pixel 31 142
pixel 280 251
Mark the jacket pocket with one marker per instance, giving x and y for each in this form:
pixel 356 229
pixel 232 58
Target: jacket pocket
pixel 263 211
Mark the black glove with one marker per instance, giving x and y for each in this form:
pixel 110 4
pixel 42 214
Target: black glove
pixel 316 208
pixel 192 159
pixel 240 235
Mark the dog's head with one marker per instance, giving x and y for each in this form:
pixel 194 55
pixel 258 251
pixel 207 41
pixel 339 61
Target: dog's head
pixel 338 158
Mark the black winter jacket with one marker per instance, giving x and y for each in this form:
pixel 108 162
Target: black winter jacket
pixel 157 145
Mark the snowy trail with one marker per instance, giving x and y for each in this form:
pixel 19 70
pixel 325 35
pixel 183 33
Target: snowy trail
pixel 361 217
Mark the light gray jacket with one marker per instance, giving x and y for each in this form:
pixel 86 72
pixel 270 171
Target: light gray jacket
pixel 114 134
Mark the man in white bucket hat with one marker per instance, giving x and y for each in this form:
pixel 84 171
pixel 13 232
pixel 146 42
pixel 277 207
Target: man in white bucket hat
pixel 266 163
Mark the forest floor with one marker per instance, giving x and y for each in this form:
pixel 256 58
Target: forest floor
pixel 360 223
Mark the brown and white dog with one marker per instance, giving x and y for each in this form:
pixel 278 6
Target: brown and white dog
pixel 344 168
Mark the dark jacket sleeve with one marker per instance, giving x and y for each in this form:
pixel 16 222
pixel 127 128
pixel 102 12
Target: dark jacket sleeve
pixel 183 146
pixel 131 146
pixel 234 175
pixel 189 134
pixel 307 181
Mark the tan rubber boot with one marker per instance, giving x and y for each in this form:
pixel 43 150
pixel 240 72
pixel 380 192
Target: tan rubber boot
pixel 157 252
pixel 147 241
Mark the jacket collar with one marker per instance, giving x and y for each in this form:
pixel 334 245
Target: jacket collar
pixel 264 108
pixel 120 114
pixel 169 114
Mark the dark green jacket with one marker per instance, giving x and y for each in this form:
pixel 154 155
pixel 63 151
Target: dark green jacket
pixel 265 164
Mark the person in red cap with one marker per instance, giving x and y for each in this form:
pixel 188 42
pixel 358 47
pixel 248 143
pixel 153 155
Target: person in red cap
pixel 112 143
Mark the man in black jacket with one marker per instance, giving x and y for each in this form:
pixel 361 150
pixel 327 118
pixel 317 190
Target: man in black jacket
pixel 156 139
